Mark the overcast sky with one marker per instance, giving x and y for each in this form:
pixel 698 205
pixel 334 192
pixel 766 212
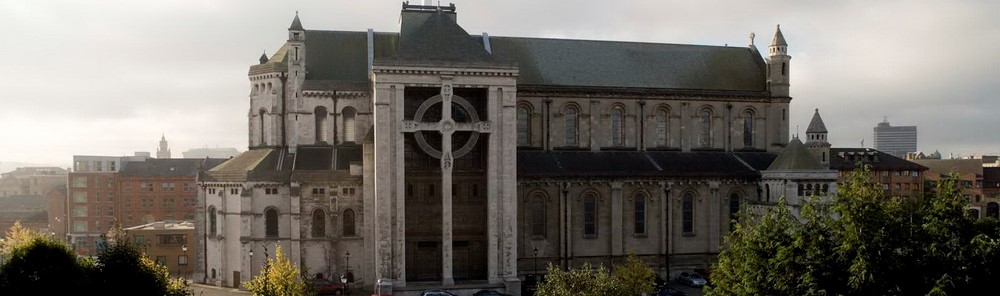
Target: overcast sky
pixel 108 77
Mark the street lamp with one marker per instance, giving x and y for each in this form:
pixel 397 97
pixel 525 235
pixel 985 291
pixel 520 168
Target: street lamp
pixel 251 261
pixel 535 259
pixel 185 249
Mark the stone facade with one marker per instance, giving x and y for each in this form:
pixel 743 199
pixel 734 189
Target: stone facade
pixel 431 158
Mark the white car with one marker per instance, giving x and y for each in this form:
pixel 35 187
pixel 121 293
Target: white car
pixel 692 279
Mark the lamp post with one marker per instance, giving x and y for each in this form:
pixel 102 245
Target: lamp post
pixel 535 259
pixel 185 249
pixel 251 260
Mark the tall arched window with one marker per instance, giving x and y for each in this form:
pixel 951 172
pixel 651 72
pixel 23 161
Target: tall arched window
pixel 319 223
pixel 523 126
pixel 662 127
pixel 767 191
pixel 211 221
pixel 263 132
pixel 734 209
pixel 639 214
pixel 748 128
pixel 271 222
pixel 572 123
pixel 687 213
pixel 705 120
pixel 617 127
pixel 349 129
pixel 590 215
pixel 538 216
pixel 349 229
pixel 320 115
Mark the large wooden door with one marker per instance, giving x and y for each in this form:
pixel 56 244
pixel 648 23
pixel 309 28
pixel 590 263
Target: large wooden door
pixel 424 264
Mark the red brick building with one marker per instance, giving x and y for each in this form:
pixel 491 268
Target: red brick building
pixel 897 176
pixel 134 190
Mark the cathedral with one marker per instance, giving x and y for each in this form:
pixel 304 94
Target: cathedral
pixel 435 158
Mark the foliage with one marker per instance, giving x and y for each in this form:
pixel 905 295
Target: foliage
pixel 631 278
pixel 39 264
pixel 862 243
pixel 279 278
pixel 123 261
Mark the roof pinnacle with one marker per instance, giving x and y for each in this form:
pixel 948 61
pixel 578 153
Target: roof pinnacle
pixel 296 23
pixel 779 39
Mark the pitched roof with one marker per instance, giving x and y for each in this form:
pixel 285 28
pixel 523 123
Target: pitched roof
pixel 439 39
pixel 816 124
pixel 948 166
pixel 277 165
pixel 341 57
pixel 583 164
pixel 845 159
pixel 170 167
pixel 795 156
pixel 779 39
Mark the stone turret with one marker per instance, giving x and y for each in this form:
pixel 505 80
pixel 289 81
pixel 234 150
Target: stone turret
pixel 816 140
pixel 778 64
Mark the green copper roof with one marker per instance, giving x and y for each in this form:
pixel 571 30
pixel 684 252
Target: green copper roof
pixel 795 156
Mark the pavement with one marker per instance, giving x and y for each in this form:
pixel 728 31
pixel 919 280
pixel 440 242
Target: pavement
pixel 208 290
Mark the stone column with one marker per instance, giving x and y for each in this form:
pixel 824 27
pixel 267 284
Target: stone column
pixel 399 242
pixel 713 210
pixel 385 165
pixel 492 197
pixel 617 236
pixel 508 181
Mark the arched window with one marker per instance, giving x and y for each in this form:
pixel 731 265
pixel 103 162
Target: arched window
pixel 349 129
pixel 802 190
pixel 319 223
pixel 349 229
pixel 734 209
pixel 767 191
pixel 705 120
pixel 320 115
pixel 271 222
pixel 662 127
pixel 590 215
pixel 748 128
pixel 617 127
pixel 784 69
pixel 687 213
pixel 523 126
pixel 993 210
pixel 826 189
pixel 538 216
pixel 572 122
pixel 639 214
pixel 211 221
pixel 263 133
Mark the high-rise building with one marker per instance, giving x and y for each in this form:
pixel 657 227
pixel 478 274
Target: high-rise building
pixel 895 140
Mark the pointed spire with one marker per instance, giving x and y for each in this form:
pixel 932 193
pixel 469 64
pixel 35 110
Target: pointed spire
pixel 263 58
pixel 296 24
pixel 779 39
pixel 816 125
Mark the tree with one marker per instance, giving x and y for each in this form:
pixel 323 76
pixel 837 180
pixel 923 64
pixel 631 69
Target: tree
pixel 122 261
pixel 38 264
pixel 631 278
pixel 862 243
pixel 279 278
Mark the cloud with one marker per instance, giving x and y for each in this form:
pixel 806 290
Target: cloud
pixel 108 77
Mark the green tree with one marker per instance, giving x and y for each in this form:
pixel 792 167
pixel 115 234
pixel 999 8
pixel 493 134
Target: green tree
pixel 862 243
pixel 122 261
pixel 629 279
pixel 279 278
pixel 39 264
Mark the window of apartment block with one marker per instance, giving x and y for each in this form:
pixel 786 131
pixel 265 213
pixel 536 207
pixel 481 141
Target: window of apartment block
pixel 79 226
pixel 79 182
pixel 80 196
pixel 79 211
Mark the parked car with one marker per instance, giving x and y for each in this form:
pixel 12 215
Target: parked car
pixel 324 286
pixel 436 293
pixel 489 293
pixel 668 291
pixel 691 279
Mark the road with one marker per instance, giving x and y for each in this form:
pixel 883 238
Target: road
pixel 206 290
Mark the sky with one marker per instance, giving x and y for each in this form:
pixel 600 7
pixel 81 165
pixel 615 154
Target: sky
pixel 111 77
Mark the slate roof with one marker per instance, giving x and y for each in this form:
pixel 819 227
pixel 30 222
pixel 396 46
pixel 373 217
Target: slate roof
pixel 845 159
pixel 779 39
pixel 340 59
pixel 795 156
pixel 948 166
pixel 816 125
pixel 606 164
pixel 277 165
pixel 172 167
pixel 296 24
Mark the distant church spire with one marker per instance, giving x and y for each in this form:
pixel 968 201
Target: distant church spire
pixel 296 23
pixel 263 58
pixel 163 151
